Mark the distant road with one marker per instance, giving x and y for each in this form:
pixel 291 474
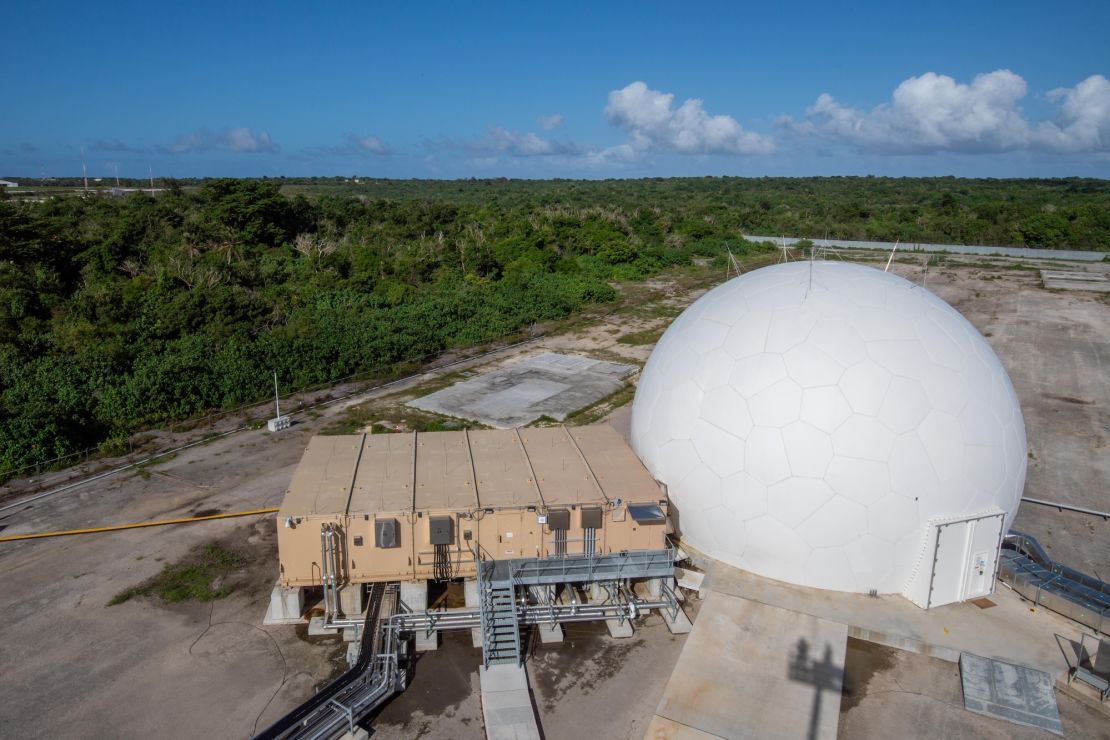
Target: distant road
pixel 1026 252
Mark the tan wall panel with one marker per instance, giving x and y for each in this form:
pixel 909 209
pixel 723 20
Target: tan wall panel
pixel 299 550
pixel 368 563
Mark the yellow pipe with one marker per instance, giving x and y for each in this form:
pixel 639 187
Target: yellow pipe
pixel 118 527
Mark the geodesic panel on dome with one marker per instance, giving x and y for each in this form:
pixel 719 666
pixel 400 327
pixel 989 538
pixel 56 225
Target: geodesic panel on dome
pixel 809 419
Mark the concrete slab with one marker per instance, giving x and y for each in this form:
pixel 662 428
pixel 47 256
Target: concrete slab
pixel 661 728
pixel 1075 280
pixel 507 703
pixel 542 385
pixel 1010 692
pixel 890 693
pixel 1010 631
pixel 749 670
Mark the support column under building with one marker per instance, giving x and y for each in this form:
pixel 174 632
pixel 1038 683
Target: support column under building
pixel 414 594
pixel 470 590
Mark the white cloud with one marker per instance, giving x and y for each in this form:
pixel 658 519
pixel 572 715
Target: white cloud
pixel 228 140
pixel 499 141
pixel 934 113
pixel 369 145
pixel 654 125
pixel 1084 121
pixel 550 122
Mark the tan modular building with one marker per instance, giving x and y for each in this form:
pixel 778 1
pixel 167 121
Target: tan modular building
pixel 416 506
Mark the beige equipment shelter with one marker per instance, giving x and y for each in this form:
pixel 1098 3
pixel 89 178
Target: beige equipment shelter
pixel 416 506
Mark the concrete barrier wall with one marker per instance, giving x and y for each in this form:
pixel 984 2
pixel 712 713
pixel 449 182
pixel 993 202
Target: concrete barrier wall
pixel 986 251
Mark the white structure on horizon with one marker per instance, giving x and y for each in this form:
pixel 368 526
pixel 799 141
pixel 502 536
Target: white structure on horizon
pixel 835 426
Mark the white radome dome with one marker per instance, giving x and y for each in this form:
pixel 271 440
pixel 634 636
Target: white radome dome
pixel 810 418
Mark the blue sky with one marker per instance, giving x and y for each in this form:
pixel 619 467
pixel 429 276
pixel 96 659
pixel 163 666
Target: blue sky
pixel 556 90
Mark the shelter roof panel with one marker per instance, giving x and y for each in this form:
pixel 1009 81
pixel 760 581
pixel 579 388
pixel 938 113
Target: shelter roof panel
pixel 321 484
pixel 385 473
pixel 560 468
pixel 504 477
pixel 444 476
pixel 618 470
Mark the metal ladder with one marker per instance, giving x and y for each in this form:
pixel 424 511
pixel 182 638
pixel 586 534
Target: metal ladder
pixel 497 608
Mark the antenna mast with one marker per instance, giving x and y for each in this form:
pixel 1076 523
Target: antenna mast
pixel 277 398
pixel 891 258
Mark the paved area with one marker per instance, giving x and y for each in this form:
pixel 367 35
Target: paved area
pixel 507 703
pixel 1010 692
pixel 1008 631
pixel 891 693
pixel 749 670
pixel 517 394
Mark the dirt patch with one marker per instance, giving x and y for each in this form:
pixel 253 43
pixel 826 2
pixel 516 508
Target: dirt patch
pixel 1069 399
pixel 241 561
pixel 862 662
pixel 443 687
pixel 207 512
pixel 585 660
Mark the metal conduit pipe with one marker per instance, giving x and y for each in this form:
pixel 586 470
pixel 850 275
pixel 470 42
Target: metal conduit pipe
pixel 468 618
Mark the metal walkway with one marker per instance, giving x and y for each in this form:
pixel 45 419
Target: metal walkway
pixel 377 674
pixel 1032 573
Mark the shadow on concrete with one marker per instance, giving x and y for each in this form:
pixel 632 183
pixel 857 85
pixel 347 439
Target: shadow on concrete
pixel 823 674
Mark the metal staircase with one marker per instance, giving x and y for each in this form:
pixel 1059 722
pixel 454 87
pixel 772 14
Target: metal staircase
pixel 498 612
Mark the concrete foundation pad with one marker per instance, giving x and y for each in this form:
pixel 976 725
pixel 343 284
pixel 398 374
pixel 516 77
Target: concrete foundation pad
pixel 353 651
pixel 316 628
pixel 550 634
pixel 542 385
pixel 414 594
pixel 350 599
pixel 754 671
pixel 618 628
pixel 286 606
pixel 507 703
pixel 424 642
pixel 681 623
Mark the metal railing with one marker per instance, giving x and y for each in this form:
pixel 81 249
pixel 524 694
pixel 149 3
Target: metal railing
pixel 580 568
pixel 1027 568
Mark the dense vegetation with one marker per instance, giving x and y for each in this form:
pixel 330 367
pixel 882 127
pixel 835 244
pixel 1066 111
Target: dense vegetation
pixel 120 313
pixel 1069 213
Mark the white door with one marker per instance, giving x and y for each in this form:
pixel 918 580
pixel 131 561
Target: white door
pixel 965 559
